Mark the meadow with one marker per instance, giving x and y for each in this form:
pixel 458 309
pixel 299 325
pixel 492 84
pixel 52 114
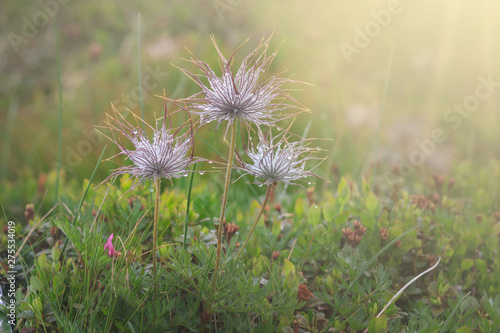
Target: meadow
pixel 342 178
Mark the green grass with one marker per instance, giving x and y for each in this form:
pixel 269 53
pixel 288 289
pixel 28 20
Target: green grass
pixel 67 283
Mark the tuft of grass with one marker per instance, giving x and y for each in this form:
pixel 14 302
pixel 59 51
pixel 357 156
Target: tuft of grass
pixel 363 270
pixel 452 314
pixel 77 213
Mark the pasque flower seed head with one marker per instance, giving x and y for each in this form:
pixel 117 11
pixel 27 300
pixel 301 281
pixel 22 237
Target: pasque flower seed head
pixel 277 159
pixel 247 97
pixel 167 155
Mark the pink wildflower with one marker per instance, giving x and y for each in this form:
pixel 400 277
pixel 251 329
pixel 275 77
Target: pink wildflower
pixel 110 247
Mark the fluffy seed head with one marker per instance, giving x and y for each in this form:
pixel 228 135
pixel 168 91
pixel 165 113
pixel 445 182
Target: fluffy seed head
pixel 167 155
pixel 278 160
pixel 247 96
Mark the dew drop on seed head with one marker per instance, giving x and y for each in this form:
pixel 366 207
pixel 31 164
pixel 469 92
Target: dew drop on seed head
pixel 202 173
pixel 210 162
pixel 308 183
pixel 260 185
pixel 185 175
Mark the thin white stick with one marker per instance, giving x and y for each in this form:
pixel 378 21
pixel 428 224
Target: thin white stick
pixel 407 285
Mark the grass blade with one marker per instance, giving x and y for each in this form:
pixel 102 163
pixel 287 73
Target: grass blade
pixel 83 197
pixel 59 145
pixel 453 313
pixel 139 67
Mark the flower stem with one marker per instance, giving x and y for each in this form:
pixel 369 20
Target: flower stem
pixel 155 234
pixel 224 202
pixel 268 194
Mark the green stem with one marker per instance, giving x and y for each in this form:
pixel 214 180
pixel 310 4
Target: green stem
pixel 155 234
pixel 59 145
pixel 224 202
pixel 186 222
pixel 268 194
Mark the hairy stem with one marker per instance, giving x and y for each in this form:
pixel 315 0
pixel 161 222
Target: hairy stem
pixel 155 234
pixel 224 202
pixel 268 194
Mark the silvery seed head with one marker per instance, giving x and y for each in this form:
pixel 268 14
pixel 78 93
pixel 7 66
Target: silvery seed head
pixel 167 155
pixel 247 97
pixel 277 159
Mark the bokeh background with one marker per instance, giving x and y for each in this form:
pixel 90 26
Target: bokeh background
pixel 384 75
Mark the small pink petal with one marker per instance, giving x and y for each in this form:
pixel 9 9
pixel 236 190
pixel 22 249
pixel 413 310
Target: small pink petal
pixel 110 247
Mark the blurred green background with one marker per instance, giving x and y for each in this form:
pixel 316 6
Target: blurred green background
pixel 385 75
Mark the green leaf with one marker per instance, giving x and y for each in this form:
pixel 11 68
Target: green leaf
pixel 288 267
pixel 314 215
pixel 27 314
pixel 481 266
pixel 42 260
pixel 58 285
pixel 330 283
pixel 342 217
pixel 329 210
pixel 299 207
pixel 38 307
pixel 367 218
pixel 394 231
pixel 371 202
pixel 56 253
pixel 467 264
pixel 276 228
pixel 378 325
pixel 344 192
pixel 35 283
